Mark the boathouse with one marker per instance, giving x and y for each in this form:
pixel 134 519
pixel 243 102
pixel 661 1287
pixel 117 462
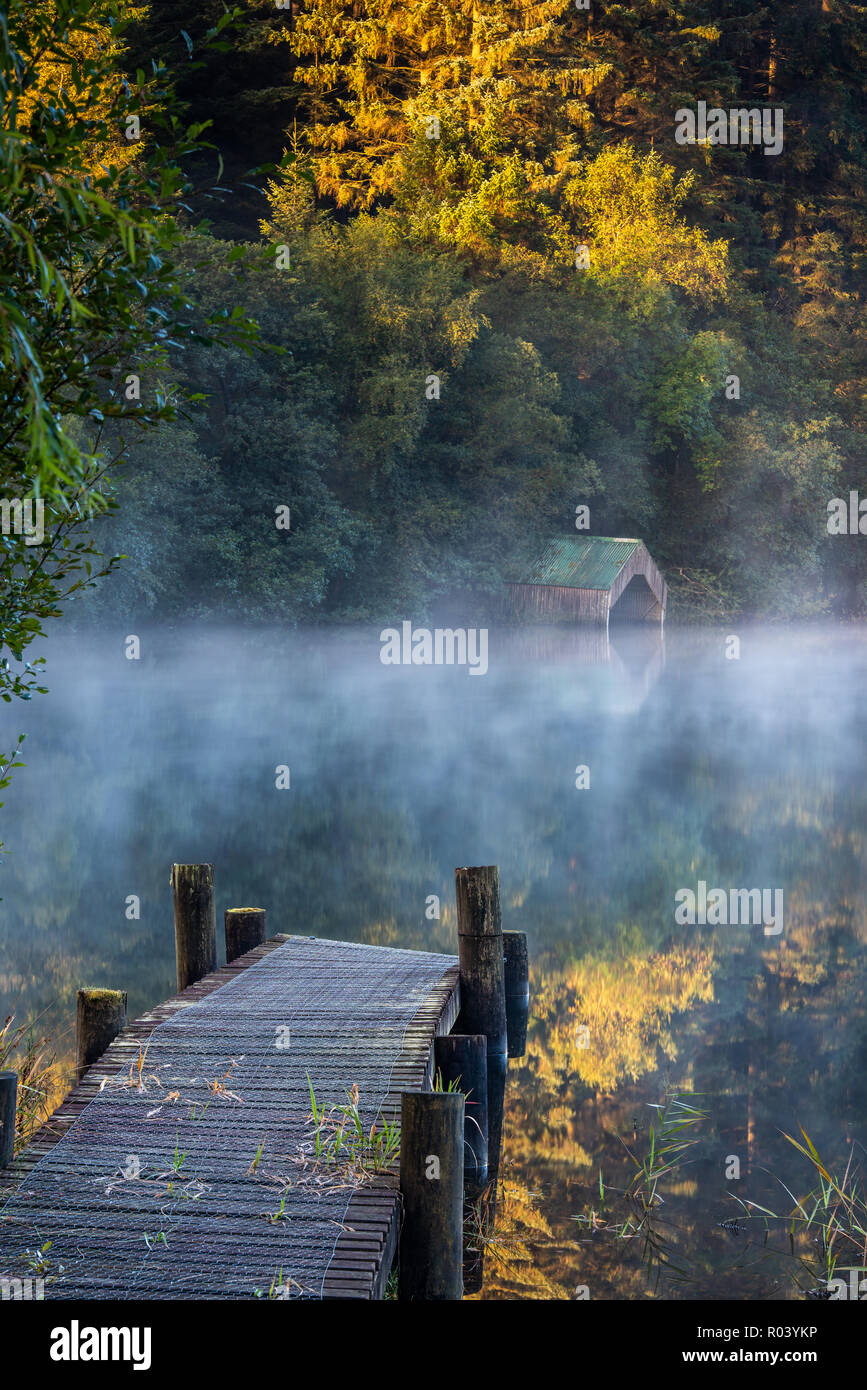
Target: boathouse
pixel 590 579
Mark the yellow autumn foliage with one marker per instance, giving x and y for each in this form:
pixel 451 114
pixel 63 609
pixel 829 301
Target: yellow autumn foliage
pixel 626 1004
pixel 60 71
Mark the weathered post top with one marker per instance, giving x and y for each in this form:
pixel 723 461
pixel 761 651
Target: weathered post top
pixel 100 1016
pixel 478 899
pixel 195 921
pixel 245 929
pixel 8 1101
pixel 480 948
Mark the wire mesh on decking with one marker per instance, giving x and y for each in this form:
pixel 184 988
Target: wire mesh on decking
pixel 152 1192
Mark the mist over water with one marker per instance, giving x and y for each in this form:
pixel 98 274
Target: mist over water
pixel 740 774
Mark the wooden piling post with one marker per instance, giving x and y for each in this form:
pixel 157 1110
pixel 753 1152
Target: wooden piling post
pixel 245 929
pixel 8 1102
pixel 432 1188
pixel 101 1015
pixel 463 1060
pixel 483 988
pixel 195 921
pixel 480 947
pixel 517 980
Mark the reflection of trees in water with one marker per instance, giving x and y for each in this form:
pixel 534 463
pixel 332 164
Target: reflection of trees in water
pixel 392 786
pixel 518 1250
pixel 626 1004
pixel 772 1037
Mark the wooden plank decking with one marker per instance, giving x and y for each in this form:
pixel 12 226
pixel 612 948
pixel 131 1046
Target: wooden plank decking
pixel 362 1256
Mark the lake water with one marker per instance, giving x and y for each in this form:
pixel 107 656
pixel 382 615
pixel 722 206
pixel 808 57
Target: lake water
pixel 734 773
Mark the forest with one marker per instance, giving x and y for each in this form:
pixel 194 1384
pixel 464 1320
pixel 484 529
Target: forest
pixel 422 280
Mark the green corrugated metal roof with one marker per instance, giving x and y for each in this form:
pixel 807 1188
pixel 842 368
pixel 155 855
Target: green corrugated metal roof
pixel 576 562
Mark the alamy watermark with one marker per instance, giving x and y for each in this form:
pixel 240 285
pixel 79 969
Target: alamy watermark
pixel 738 126
pixel 444 646
pixel 77 1343
pixel 746 907
pixel 24 1290
pixel 23 518
pixel 847 519
pixel 854 1288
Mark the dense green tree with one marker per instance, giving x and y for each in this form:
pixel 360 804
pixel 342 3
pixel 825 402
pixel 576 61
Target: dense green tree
pixel 429 419
pixel 90 300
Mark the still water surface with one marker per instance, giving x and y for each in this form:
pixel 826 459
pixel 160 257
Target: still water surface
pixel 739 774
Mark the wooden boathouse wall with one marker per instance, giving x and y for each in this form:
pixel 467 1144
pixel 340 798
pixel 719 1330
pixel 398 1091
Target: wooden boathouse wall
pixel 643 601
pixel 555 601
pixel 627 583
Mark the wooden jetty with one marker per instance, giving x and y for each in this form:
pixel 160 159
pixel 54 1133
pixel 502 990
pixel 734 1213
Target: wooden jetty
pixel 180 1166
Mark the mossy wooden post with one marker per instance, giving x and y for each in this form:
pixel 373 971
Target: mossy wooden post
pixel 101 1015
pixel 463 1060
pixel 517 976
pixel 195 921
pixel 432 1188
pixel 8 1102
pixel 480 947
pixel 483 989
pixel 245 929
